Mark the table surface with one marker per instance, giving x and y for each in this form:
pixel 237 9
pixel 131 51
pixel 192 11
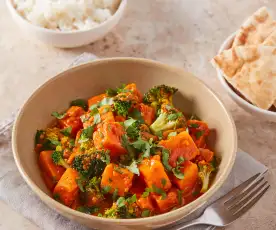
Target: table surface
pixel 185 33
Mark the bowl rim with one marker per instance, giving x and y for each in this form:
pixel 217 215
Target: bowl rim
pixel 225 46
pixel 146 220
pixel 120 10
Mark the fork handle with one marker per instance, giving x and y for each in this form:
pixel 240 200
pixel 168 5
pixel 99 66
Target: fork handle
pixel 181 226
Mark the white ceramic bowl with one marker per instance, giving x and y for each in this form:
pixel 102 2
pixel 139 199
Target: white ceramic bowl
pixel 67 39
pixel 248 107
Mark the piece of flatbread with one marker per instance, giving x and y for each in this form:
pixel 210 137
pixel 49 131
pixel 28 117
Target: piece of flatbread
pixel 255 29
pixel 252 71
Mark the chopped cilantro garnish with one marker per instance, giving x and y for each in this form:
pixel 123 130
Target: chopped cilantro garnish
pixel 86 134
pixel 106 189
pixel 178 174
pixel 80 102
pixel 180 160
pixel 198 134
pixel 193 125
pixel 111 92
pixel 80 182
pixel 115 194
pixel 179 196
pixel 146 193
pixel 58 115
pixel 67 131
pixel 120 202
pixel 145 213
pixel 159 191
pixel 165 159
pixel 54 142
pixel 132 199
pixel 163 182
pixel 133 168
pixel 88 210
pixel 174 116
pixel 136 114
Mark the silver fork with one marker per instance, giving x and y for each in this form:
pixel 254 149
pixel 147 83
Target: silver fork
pixel 231 206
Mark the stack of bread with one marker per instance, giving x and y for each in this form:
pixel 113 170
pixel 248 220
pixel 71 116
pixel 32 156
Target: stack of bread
pixel 249 65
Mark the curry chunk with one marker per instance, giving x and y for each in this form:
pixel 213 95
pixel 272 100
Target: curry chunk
pixel 108 136
pixel 190 172
pixel 51 171
pixel 154 173
pixel 115 177
pixel 145 203
pixel 199 131
pixel 148 113
pixel 181 145
pixel 67 189
pixel 167 203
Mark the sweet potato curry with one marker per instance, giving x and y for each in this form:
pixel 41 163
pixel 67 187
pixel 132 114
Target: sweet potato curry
pixel 123 155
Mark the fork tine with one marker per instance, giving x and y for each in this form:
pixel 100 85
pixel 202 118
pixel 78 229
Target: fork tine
pixel 238 189
pixel 247 197
pixel 251 202
pixel 235 199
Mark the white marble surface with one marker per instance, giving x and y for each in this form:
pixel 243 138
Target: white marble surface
pixel 186 33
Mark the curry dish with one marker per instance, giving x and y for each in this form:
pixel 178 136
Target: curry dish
pixel 123 155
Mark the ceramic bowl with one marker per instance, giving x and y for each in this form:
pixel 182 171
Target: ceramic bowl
pixel 93 78
pixel 248 107
pixel 66 39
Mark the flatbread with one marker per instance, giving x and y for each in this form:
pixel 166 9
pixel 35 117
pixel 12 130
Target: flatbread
pixel 255 29
pixel 252 71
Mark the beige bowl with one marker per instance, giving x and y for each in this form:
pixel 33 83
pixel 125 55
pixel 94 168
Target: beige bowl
pixel 248 107
pixel 93 78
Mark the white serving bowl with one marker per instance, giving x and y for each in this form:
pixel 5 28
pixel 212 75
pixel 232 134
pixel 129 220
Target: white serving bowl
pixel 248 107
pixel 67 39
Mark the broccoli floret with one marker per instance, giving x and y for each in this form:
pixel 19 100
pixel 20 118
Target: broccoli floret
pixel 88 165
pixel 169 118
pixel 158 95
pixel 205 171
pixel 122 107
pixel 58 159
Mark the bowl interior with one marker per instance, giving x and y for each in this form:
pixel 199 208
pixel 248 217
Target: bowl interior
pixel 93 78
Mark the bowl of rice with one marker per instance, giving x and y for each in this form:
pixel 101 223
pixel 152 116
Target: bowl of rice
pixel 67 23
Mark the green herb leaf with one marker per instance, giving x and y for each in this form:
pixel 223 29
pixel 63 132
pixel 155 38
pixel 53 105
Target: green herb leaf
pixel 163 182
pixel 88 210
pixel 71 143
pixel 38 135
pixel 133 168
pixel 86 134
pixel 179 196
pixel 193 125
pixel 159 134
pixel 111 92
pixel 80 102
pixel 80 182
pixel 172 134
pixel 145 213
pixel 58 115
pixel 120 202
pixel 67 131
pixel 100 215
pixel 136 114
pixel 180 160
pixel 106 189
pixel 54 142
pixel 106 101
pixel 174 116
pixel 143 146
pixel 146 193
pixel 132 199
pixel 165 159
pixel 159 191
pixel 198 134
pixel 178 174
pixel 92 107
pixel 97 119
pixel 128 146
pixel 115 194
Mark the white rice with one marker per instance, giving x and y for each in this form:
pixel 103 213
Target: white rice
pixel 66 15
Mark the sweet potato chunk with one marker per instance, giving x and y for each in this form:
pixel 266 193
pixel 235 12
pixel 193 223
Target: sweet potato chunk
pixel 154 173
pixel 206 155
pixel 74 122
pixel 134 91
pixel 75 111
pixel 145 203
pixel 48 181
pixel 169 202
pixel 148 113
pixel 181 145
pixel 117 178
pixel 67 189
pixel 96 99
pixel 190 172
pixel 199 131
pixel 108 136
pixel 52 171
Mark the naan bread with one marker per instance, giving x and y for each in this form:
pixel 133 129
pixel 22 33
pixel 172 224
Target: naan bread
pixel 255 29
pixel 252 71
